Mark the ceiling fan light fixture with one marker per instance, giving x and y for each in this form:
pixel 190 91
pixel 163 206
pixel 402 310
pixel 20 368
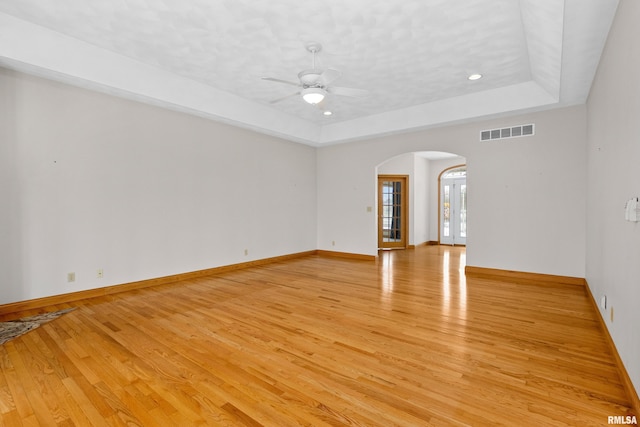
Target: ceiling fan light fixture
pixel 313 95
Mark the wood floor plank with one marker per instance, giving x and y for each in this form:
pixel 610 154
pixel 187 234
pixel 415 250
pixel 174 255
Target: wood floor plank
pixel 406 340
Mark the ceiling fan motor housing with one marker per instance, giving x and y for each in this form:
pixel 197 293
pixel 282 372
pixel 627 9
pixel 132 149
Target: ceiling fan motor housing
pixel 310 78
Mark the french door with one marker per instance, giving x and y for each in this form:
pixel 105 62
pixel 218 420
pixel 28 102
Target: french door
pixel 392 211
pixel 453 211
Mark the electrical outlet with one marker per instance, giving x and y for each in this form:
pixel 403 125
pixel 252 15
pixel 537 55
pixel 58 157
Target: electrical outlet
pixel 71 277
pixel 611 314
pixel 100 273
pixel 246 252
pixel 333 243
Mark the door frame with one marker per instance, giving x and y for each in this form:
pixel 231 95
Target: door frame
pixel 440 197
pixel 404 214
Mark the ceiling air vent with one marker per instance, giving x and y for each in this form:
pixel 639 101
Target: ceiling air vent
pixel 510 132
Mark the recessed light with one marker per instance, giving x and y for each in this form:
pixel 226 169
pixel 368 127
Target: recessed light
pixel 475 76
pixel 327 113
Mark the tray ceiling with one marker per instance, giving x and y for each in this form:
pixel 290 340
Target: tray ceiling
pixel 207 57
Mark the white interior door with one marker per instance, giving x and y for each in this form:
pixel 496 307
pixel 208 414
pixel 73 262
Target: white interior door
pixel 453 211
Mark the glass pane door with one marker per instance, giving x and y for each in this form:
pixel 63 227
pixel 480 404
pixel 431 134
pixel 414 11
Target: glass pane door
pixel 453 211
pixel 462 208
pixel 446 210
pixel 392 211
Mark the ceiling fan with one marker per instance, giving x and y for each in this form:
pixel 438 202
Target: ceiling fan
pixel 315 82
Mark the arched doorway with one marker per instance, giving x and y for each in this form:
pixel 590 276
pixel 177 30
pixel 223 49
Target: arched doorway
pixel 423 170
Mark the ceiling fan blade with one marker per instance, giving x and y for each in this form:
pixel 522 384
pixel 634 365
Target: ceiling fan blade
pixel 271 79
pixel 284 97
pixel 328 76
pixel 346 91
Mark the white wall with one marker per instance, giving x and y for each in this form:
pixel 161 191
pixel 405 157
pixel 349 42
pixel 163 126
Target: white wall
pixel 93 181
pixel 10 244
pixel 421 208
pixel 89 181
pixel 527 196
pixel 613 245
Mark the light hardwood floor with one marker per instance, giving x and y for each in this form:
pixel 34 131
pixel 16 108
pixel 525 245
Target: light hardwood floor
pixel 406 340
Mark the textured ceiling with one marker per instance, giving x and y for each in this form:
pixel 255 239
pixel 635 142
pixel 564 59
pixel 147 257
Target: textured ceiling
pixel 207 57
